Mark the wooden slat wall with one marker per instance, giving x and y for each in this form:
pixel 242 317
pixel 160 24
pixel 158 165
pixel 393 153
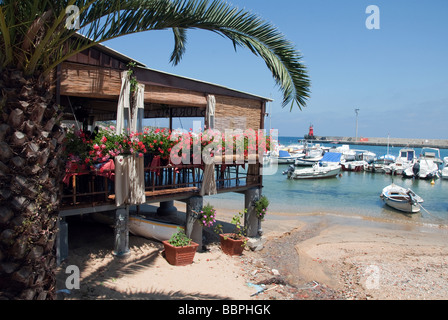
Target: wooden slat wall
pixel 81 80
pixel 236 113
pixel 88 81
pixel 172 96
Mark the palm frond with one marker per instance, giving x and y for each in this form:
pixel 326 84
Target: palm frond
pixel 104 20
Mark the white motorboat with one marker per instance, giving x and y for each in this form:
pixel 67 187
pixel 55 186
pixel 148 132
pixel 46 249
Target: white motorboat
pixel 328 167
pixel 406 158
pixel 285 157
pixel 152 229
pixel 311 157
pixel 423 169
pixel 386 159
pixel 401 199
pixel 347 153
pixel 381 164
pixel 356 166
pixel 365 155
pixel 444 171
pixel 427 166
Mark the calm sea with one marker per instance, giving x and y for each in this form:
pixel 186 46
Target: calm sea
pixel 354 194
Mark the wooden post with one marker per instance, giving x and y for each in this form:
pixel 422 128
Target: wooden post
pixel 251 222
pixel 192 228
pixel 62 241
pixel 121 246
pixel 166 208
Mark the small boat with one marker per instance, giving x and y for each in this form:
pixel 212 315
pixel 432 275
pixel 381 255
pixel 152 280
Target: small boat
pixel 141 225
pixel 311 157
pixel 328 167
pixel 401 198
pixel 406 158
pixel 355 166
pixel 347 153
pixel 444 171
pixel 365 155
pixel 423 169
pixel 285 157
pixel 427 165
pixel 381 164
pixel 152 229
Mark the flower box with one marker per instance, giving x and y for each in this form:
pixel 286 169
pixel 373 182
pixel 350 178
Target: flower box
pixel 232 246
pixel 180 256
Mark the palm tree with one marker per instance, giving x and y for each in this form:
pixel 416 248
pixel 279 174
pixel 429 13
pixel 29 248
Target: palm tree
pixel 36 36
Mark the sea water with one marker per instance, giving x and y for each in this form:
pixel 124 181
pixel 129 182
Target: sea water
pixel 354 194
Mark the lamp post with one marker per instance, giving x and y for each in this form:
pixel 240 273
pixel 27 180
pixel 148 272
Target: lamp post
pixel 356 111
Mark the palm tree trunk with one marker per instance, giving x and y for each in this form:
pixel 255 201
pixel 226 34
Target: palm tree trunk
pixel 30 179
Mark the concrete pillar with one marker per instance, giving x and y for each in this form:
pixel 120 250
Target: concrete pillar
pixel 192 228
pixel 251 222
pixel 167 208
pixel 62 241
pixel 121 246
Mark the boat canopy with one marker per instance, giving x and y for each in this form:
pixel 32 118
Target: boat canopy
pixel 331 157
pixel 283 153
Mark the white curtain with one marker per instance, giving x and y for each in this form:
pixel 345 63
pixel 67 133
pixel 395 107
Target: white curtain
pixel 129 169
pixel 123 104
pixel 210 111
pixel 208 179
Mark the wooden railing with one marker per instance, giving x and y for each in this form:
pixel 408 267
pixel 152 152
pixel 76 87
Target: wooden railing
pixel 90 187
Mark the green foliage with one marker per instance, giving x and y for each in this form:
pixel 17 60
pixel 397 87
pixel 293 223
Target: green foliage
pixel 239 231
pixel 179 239
pixel 132 79
pixel 207 216
pixel 261 206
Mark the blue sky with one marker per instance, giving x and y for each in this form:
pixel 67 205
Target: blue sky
pixel 397 76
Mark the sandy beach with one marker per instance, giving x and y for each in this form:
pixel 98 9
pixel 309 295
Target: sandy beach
pixel 318 257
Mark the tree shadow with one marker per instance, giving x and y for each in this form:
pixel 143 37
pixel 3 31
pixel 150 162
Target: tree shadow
pixel 91 247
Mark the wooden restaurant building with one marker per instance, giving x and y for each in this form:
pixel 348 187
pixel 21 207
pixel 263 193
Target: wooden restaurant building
pixel 89 86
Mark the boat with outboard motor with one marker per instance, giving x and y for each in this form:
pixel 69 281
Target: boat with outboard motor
pixel 328 167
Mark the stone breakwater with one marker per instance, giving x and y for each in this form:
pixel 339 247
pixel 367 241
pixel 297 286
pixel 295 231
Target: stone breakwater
pixel 396 142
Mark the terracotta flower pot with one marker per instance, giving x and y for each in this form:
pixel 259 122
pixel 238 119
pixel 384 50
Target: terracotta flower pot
pixel 231 246
pixel 180 256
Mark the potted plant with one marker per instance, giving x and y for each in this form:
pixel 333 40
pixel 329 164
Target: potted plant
pixel 261 207
pixel 233 243
pixel 179 249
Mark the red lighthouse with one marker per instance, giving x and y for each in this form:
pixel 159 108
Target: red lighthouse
pixel 310 134
pixel 311 131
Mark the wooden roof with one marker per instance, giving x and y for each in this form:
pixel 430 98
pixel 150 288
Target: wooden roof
pixel 92 79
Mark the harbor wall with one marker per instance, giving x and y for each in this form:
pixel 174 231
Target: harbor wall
pixel 395 142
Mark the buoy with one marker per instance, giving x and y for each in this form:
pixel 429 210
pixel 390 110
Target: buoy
pixel 432 181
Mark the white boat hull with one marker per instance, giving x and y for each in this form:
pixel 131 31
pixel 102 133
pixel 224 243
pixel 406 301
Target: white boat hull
pixel 444 173
pixel 307 162
pixel 152 229
pixel 315 172
pixel 423 170
pixel 401 199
